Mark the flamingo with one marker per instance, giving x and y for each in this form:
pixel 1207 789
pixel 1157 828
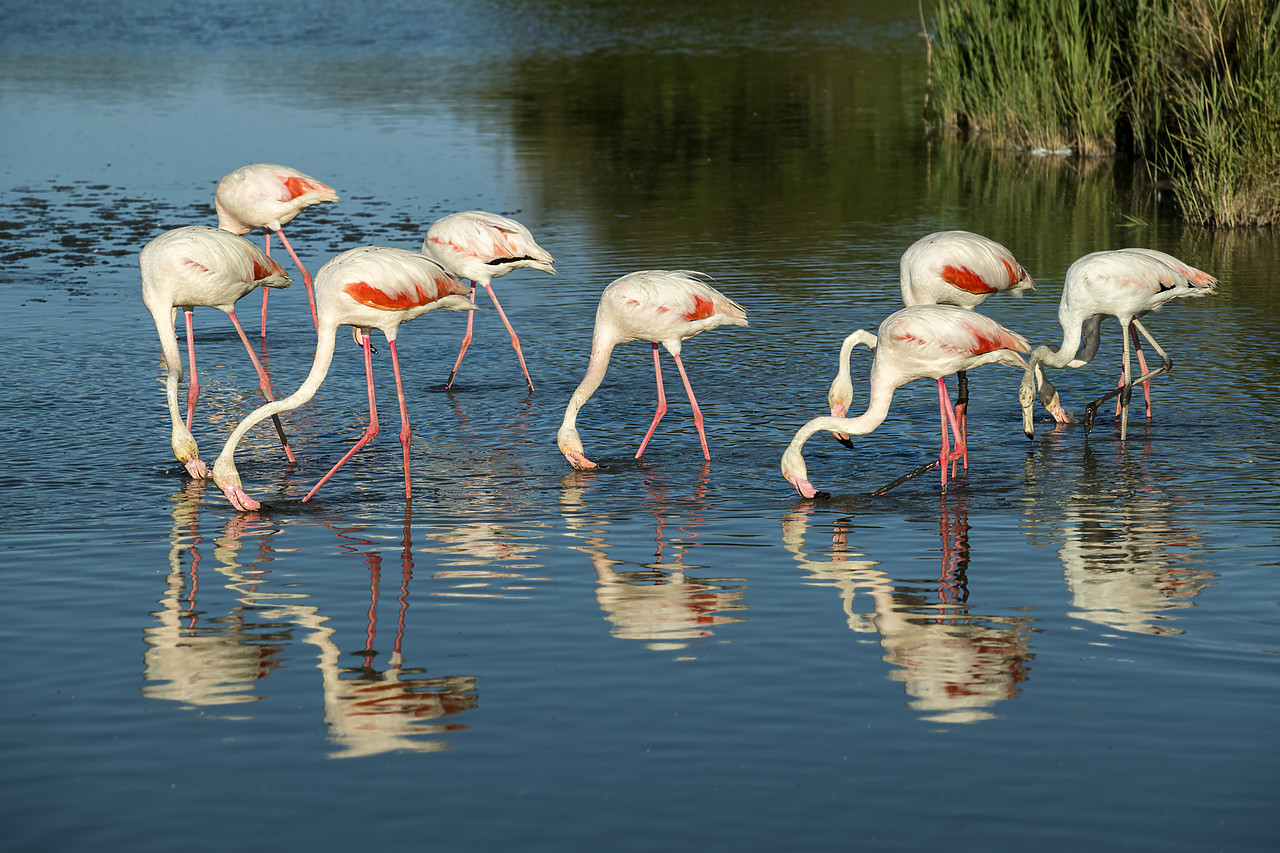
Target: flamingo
pixel 950 268
pixel 268 196
pixel 1125 284
pixel 482 246
pixel 918 342
pixel 201 266
pixel 660 306
pixel 372 287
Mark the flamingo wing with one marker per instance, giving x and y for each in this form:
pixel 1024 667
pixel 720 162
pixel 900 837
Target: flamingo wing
pixel 959 268
pixel 215 267
pixel 943 332
pixel 486 237
pixel 397 280
pixel 674 299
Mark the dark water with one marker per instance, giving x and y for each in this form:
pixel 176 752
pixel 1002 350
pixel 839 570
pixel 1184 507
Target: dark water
pixel 1073 648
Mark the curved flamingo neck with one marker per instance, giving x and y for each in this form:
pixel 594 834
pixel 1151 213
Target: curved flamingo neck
pixel 601 350
pixel 326 341
pixel 841 391
pixel 164 318
pixel 877 411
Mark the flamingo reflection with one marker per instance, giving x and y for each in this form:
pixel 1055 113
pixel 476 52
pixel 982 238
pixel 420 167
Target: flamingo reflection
pixel 659 603
pixel 203 661
pixel 370 710
pixel 953 663
pixel 1129 557
pixel 187 660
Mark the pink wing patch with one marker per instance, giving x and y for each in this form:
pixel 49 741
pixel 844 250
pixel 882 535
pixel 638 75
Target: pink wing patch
pixel 966 279
pixel 1016 273
pixel 367 294
pixel 271 268
pixel 296 187
pixel 1001 340
pixel 501 246
pixel 702 308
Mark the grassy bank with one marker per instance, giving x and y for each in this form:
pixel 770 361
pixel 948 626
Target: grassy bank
pixel 1190 87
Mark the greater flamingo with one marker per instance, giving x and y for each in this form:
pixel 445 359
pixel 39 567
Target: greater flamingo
pixel 919 342
pixel 958 268
pixel 372 287
pixel 201 266
pixel 1121 283
pixel 482 246
pixel 660 306
pixel 268 196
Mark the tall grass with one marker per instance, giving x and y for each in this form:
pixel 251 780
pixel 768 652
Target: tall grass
pixel 1191 87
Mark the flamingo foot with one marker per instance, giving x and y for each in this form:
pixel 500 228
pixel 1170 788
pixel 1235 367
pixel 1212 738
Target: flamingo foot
pixel 239 499
pixel 197 469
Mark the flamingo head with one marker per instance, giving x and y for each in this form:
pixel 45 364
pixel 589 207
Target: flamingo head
pixel 571 446
pixel 186 452
pixel 838 410
pixel 228 479
pixel 1026 397
pixel 838 398
pixel 795 473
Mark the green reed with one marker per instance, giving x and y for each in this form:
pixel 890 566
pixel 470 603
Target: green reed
pixel 1190 87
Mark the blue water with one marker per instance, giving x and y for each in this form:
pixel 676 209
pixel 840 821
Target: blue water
pixel 1073 648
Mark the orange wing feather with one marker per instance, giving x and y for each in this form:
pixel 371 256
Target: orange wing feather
pixel 297 187
pixel 968 280
pixel 367 294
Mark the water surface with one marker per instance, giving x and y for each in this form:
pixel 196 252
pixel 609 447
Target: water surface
pixel 1074 646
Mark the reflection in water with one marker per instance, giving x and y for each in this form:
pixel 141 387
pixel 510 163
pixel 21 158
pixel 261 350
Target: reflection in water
pixel 953 663
pixel 186 660
pixel 484 555
pixel 662 604
pixel 368 710
pixel 1127 555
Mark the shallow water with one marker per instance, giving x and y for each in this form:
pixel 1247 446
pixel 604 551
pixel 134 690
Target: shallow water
pixel 1074 646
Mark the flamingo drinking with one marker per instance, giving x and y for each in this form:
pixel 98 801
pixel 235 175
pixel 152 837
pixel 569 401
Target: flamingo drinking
pixel 201 266
pixel 919 342
pixel 268 196
pixel 950 268
pixel 664 307
pixel 482 246
pixel 1125 284
pixel 373 287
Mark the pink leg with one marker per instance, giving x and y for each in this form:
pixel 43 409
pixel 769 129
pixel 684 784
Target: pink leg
pixel 372 429
pixel 193 379
pixel 947 415
pixel 697 413
pixel 515 342
pixel 1142 365
pixel 306 280
pixel 466 340
pixel 961 409
pixel 404 420
pixel 264 383
pixel 662 402
pixel 266 247
pixel 944 403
